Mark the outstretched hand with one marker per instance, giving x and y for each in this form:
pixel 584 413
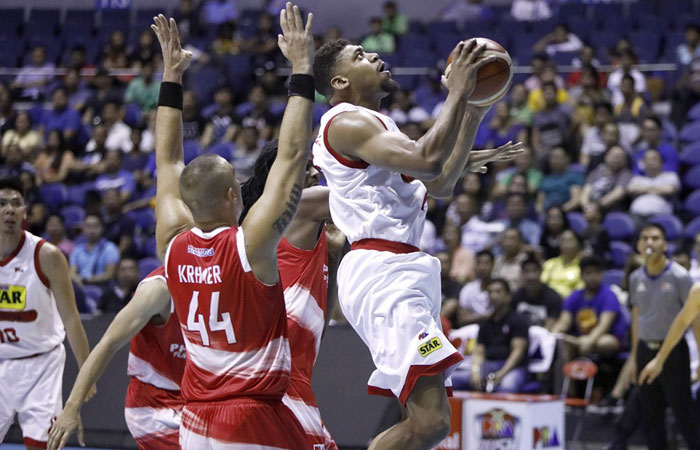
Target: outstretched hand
pixel 296 41
pixel 504 153
pixel 175 59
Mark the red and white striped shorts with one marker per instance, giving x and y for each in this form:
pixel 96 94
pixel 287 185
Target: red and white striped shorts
pixel 153 415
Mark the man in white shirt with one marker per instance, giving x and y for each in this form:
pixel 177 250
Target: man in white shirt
pixel 615 78
pixel 474 303
pixel 652 192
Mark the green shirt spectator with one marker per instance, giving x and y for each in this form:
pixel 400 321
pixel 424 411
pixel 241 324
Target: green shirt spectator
pixel 378 41
pixel 143 90
pixel 394 23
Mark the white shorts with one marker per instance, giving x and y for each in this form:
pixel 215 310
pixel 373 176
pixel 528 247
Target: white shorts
pixel 392 300
pixel 31 388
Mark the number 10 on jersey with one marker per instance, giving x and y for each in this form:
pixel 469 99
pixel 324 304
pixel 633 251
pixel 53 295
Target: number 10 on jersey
pixel 195 322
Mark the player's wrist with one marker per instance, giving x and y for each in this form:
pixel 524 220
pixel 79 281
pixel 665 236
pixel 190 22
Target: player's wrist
pixel 172 76
pixel 302 68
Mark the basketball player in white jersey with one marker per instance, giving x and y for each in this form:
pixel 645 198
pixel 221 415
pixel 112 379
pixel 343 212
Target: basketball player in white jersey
pixel 156 362
pixel 36 303
pixel 379 180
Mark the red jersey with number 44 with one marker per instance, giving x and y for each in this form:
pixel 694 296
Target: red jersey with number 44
pixel 234 326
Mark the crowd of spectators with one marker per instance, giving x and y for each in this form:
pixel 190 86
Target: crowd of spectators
pixel 527 242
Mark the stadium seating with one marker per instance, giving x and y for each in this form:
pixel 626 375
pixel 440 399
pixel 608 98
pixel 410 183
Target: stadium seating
pixel 619 225
pixel 613 276
pixel 671 223
pixel 148 265
pixel 619 251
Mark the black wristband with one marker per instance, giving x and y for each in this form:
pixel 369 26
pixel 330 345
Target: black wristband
pixel 302 85
pixel 170 95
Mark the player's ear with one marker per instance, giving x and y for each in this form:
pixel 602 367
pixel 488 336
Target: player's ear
pixel 339 83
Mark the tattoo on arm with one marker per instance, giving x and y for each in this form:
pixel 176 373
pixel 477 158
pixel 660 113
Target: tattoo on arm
pixel 291 206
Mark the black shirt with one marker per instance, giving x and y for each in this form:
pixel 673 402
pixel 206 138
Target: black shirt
pixel 114 299
pixel 547 304
pixel 496 335
pixel 450 288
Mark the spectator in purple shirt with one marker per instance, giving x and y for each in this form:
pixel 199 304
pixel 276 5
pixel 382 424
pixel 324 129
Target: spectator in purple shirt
pixel 651 138
pixel 592 320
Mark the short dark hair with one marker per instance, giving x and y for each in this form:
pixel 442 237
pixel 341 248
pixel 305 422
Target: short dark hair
pixel 326 57
pixel 592 261
pixel 628 77
pixel 531 259
pixel 608 107
pixel 648 225
pixel 12 184
pixel 500 281
pixel 253 188
pixel 485 253
pixel 692 26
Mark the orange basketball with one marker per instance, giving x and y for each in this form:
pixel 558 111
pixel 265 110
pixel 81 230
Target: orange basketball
pixel 493 79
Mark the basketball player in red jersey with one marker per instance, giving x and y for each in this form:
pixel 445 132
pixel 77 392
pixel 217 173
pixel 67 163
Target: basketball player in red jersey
pixel 37 310
pixel 379 179
pixel 224 278
pixel 303 258
pixel 156 363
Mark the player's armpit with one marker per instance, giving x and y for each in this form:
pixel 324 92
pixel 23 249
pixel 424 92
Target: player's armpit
pixel 314 203
pixel 361 136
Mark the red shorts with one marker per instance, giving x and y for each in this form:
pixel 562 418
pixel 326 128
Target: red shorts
pixel 301 400
pixel 240 423
pixel 153 416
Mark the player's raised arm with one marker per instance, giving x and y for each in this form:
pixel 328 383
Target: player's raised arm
pixel 360 135
pixel 150 299
pixel 172 215
pixel 269 217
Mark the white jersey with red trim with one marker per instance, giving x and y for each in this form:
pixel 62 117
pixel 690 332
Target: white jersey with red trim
pixel 157 352
pixel 29 320
pixel 366 201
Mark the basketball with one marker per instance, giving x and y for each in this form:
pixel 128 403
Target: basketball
pixel 493 79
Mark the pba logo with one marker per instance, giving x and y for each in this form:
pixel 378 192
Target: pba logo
pixel 545 437
pixel 201 252
pixel 499 430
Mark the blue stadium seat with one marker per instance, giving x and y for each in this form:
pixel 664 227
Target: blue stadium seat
pixel 145 218
pixel 446 42
pixel 690 132
pixel 223 149
pixel 149 248
pixel 647 45
pixel 192 149
pixel 577 222
pixel 669 132
pixel 619 251
pixel 670 223
pixel 144 17
pixel 43 19
pixel 10 21
pixel 11 52
pixel 603 40
pixel 613 276
pixel 148 265
pixel 54 195
pixel 411 42
pixel 80 16
pixel 690 155
pixel 691 205
pixel 76 193
pixel 692 229
pixel 691 179
pixel 605 10
pixel 132 114
pixel 694 113
pixel 619 225
pixel 419 58
pixel 672 39
pixel 437 28
pixel 73 216
pixel 115 17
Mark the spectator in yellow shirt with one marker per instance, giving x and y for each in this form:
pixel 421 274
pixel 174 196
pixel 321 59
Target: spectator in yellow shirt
pixel 563 273
pixel 536 98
